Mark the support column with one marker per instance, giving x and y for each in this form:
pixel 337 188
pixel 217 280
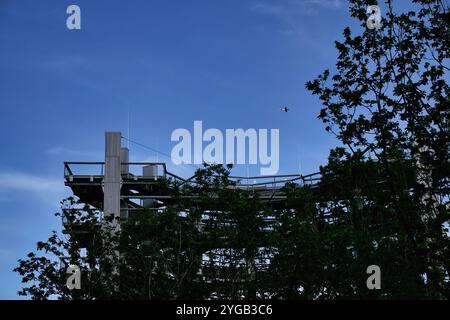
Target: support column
pixel 111 197
pixel 124 158
pixel 111 189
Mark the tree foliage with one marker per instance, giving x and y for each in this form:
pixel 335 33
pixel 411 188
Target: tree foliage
pixel 390 99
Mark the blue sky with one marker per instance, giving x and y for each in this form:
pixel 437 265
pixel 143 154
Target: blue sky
pixel 229 63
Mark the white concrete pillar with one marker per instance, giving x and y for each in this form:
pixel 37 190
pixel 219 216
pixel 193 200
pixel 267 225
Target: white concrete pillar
pixel 124 157
pixel 112 179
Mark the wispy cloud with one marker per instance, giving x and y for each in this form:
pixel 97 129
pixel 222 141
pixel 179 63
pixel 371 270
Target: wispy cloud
pixel 69 62
pixel 57 151
pixel 292 11
pixel 297 7
pixel 268 8
pixel 68 152
pixel 4 252
pixel 19 181
pixel 323 3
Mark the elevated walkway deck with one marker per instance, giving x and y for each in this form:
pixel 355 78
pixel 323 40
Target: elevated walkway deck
pixel 138 190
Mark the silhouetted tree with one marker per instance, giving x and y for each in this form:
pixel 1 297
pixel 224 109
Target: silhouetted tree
pixel 389 98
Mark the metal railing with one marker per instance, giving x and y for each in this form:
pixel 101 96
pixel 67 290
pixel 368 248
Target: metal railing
pixel 275 181
pixel 272 182
pixel 73 169
pixel 69 168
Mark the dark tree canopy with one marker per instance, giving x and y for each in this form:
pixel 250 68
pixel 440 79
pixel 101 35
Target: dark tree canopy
pixel 389 99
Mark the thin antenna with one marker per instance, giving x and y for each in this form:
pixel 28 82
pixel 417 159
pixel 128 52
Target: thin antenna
pixel 157 147
pixel 128 129
pixel 299 163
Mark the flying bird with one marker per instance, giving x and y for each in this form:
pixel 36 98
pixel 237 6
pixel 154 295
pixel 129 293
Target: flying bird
pixel 285 109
